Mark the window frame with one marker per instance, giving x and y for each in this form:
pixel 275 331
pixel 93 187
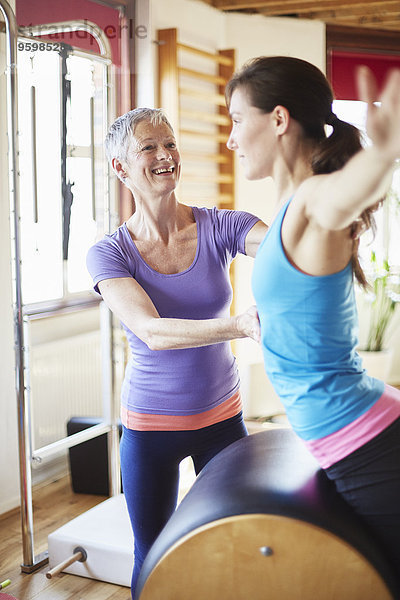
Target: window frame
pixel 71 301
pixel 355 40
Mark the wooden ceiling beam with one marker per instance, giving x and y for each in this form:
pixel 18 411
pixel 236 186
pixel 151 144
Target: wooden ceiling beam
pixel 338 13
pixel 344 36
pixel 365 21
pixel 301 8
pixel 392 11
pixel 382 27
pixel 294 6
pixel 359 20
pixel 378 14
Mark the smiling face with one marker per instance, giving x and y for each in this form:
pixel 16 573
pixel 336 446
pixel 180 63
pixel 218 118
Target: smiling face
pixel 252 136
pixel 153 162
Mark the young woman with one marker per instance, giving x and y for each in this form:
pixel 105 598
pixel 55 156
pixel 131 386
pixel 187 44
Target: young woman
pixel 164 273
pixel 327 188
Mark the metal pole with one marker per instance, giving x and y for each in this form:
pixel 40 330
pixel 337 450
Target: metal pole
pixel 110 402
pixel 54 448
pixel 23 433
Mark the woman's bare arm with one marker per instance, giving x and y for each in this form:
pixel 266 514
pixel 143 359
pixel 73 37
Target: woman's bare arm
pixel 254 238
pixel 130 303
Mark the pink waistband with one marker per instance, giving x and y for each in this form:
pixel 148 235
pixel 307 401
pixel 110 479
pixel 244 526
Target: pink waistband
pixel 332 448
pixel 151 422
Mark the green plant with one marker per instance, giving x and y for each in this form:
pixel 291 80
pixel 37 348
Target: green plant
pixel 385 296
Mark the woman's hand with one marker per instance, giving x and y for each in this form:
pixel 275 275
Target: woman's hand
pixel 383 122
pixel 248 324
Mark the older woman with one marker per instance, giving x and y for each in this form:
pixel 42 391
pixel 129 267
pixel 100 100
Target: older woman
pixel 164 273
pixel 328 186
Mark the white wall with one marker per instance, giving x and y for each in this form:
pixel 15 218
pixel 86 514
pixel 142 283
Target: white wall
pixel 199 25
pixel 9 489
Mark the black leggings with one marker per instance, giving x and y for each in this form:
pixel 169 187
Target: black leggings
pixel 150 474
pixel 369 480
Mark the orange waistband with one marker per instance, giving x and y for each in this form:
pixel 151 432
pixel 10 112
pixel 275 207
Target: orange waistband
pixel 151 422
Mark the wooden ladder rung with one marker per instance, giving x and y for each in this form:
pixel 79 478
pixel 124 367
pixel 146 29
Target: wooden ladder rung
pixel 218 58
pixel 198 157
pixel 203 76
pixel 202 135
pixel 218 178
pixel 197 115
pixel 217 99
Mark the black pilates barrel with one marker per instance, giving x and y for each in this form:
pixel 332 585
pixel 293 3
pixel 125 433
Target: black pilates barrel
pixel 267 473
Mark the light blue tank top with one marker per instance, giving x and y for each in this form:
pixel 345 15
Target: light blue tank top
pixel 309 329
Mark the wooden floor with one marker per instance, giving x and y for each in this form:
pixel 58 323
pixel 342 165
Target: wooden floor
pixel 54 504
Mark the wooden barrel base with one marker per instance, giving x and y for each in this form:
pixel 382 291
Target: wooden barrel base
pixel 254 557
pixel 262 521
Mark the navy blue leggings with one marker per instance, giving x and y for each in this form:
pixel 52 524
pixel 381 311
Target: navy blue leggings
pixel 150 474
pixel 369 480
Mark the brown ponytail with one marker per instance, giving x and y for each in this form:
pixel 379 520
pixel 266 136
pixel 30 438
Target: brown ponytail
pixel 333 152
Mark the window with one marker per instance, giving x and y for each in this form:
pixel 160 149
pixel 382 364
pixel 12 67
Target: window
pixel 62 117
pixel 342 65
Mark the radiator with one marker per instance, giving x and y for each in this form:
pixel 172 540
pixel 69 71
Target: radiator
pixel 65 381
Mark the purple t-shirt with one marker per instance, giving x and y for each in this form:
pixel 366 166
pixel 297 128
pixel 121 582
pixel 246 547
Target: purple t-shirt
pixel 184 381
